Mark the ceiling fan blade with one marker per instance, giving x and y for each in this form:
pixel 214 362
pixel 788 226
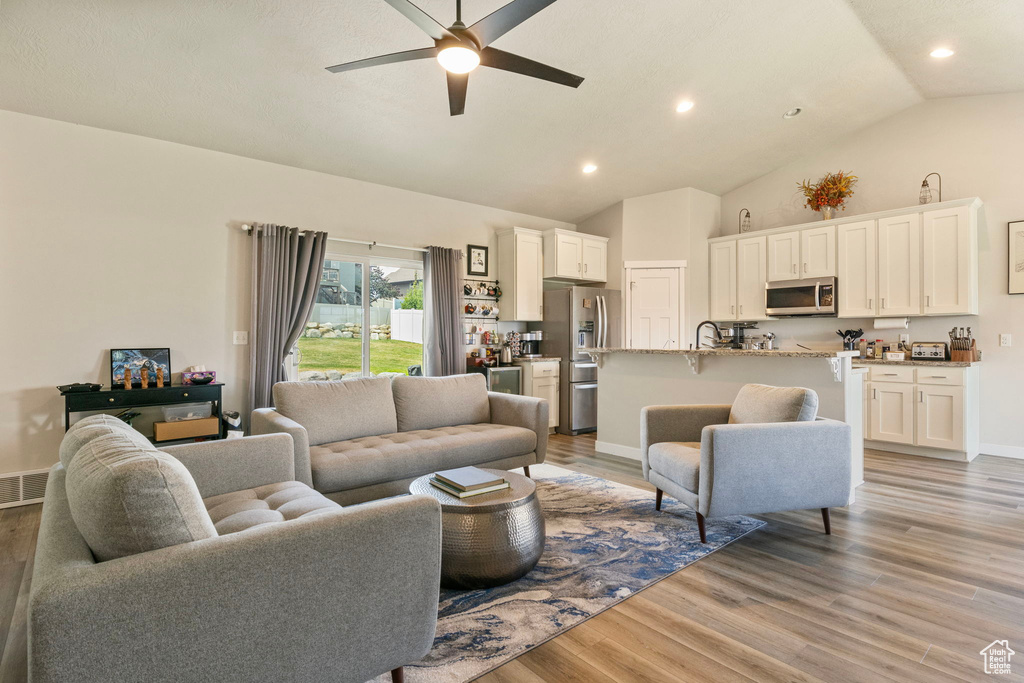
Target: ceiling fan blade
pixel 408 55
pixel 504 19
pixel 506 61
pixel 457 93
pixel 426 22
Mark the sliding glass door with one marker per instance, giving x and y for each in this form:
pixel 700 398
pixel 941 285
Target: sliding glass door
pixel 367 320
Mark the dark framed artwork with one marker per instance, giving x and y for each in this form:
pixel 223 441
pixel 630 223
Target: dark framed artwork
pixel 1016 257
pixel 476 260
pixel 133 360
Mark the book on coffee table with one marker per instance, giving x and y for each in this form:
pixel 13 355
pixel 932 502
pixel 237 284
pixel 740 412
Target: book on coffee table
pixel 467 478
pixel 438 484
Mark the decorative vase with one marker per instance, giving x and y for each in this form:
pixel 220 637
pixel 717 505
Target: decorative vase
pixel 827 213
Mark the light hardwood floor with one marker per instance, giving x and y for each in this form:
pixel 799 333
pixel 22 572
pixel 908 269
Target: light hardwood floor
pixel 921 573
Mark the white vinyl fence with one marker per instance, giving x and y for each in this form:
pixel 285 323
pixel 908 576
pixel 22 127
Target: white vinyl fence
pixel 407 325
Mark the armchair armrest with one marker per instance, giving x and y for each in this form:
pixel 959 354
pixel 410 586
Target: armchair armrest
pixel 522 411
pixel 340 596
pixel 677 423
pixel 774 466
pixel 269 421
pixel 233 464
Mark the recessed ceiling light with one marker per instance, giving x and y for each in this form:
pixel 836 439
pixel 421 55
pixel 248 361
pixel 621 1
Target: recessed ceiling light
pixel 685 105
pixel 941 53
pixel 792 113
pixel 589 168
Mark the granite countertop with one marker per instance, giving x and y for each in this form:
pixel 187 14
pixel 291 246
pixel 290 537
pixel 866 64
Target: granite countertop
pixel 927 363
pixel 541 359
pixel 729 352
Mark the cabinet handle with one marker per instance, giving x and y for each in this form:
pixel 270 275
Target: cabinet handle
pixel 920 397
pixel 937 376
pixel 883 302
pixel 794 269
pixel 871 303
pixel 874 394
pixel 741 309
pixel 732 309
pixel 805 266
pixel 586 267
pixel 927 300
pixel 578 267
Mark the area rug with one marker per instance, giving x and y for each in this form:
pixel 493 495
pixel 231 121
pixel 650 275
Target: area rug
pixel 605 542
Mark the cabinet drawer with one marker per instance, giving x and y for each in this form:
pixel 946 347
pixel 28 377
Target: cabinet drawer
pixel 932 375
pixel 545 369
pixel 890 373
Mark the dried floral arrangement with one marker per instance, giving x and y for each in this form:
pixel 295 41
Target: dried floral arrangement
pixel 831 190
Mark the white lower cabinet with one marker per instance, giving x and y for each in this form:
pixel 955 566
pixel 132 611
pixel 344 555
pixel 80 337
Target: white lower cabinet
pixel 540 380
pixel 924 408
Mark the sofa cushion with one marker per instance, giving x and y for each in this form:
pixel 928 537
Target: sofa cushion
pixel 335 411
pixel 87 429
pixel 677 461
pixel 430 402
pixel 248 508
pixel 762 403
pixel 345 465
pixel 127 499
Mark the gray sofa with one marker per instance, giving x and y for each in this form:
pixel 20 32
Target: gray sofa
pixel 209 562
pixel 364 439
pixel 767 452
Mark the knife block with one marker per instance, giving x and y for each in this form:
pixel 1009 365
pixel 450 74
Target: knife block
pixel 965 355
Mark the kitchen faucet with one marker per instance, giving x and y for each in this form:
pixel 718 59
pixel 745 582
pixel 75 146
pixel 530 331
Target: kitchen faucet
pixel 718 332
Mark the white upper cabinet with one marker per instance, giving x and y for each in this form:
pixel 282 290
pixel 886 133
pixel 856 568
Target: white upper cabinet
pixel 949 260
pixel 595 258
pixel 818 252
pixel 856 270
pixel 751 269
pixel 574 256
pixel 521 274
pixel 722 289
pixel 784 256
pixel 899 265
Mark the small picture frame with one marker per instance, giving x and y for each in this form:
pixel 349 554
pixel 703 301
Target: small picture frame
pixel 135 360
pixel 476 262
pixel 1016 256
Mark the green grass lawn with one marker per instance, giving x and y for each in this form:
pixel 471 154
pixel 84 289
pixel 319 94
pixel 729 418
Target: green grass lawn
pixel 386 355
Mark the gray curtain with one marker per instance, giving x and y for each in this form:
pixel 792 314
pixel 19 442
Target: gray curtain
pixel 286 268
pixel 443 353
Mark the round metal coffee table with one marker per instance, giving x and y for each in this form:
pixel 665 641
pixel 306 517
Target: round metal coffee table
pixel 490 539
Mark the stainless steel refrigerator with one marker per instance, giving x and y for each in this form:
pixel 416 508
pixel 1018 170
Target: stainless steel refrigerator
pixel 576 318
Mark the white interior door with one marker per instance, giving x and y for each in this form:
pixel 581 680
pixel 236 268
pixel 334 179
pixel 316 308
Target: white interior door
pixel 654 306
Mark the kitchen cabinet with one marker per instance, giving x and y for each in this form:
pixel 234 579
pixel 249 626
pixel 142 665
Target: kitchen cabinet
pixel 573 256
pixel 521 274
pixel 595 258
pixel 818 252
pixel 784 256
pixel 899 265
pixel 925 410
pixel 751 271
pixel 722 286
pixel 540 380
pixel 856 270
pixel 949 262
pixel 892 412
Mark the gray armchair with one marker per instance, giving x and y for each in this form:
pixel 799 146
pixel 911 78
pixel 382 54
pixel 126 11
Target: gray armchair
pixel 331 594
pixel 767 452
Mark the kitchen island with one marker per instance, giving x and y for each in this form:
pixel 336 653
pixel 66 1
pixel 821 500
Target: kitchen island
pixel 630 379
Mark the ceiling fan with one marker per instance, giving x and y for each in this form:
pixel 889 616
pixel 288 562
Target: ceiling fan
pixel 460 49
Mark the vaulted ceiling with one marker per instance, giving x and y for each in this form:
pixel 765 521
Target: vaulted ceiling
pixel 247 77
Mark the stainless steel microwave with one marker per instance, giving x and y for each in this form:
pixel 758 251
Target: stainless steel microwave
pixel 801 297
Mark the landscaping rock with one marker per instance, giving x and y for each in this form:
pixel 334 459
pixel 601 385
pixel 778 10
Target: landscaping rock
pixel 312 376
pixel 313 334
pixel 345 335
pixel 334 375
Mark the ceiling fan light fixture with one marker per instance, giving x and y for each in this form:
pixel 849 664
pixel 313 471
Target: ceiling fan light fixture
pixel 458 59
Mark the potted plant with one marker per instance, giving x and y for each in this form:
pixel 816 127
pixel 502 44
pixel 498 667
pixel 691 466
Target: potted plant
pixel 829 193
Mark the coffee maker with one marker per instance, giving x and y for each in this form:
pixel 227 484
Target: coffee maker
pixel 531 344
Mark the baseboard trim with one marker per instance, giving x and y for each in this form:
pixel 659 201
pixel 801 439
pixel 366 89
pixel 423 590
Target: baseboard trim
pixel 1015 452
pixel 618 449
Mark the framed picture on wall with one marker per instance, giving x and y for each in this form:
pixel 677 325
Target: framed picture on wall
pixel 477 263
pixel 133 360
pixel 1016 260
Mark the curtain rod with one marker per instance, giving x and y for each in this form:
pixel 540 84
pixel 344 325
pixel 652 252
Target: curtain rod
pixel 248 229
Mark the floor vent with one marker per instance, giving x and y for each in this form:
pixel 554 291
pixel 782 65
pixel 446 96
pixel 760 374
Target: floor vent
pixel 23 488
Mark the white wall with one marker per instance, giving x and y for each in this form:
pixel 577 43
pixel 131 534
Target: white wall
pixel 113 240
pixel 977 144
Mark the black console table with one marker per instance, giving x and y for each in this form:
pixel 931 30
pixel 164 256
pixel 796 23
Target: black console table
pixel 108 398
